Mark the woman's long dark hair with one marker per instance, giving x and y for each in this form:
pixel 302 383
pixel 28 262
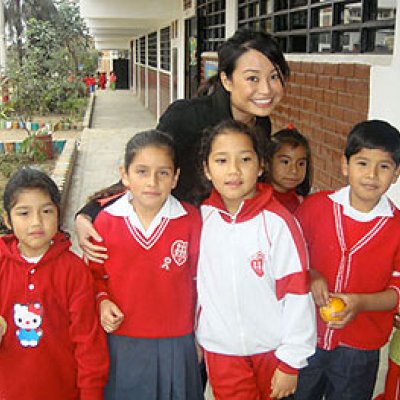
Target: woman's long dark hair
pixel 241 42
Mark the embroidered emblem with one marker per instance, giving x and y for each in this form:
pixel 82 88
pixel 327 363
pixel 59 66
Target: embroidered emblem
pixel 179 252
pixel 165 265
pixel 257 263
pixel 28 318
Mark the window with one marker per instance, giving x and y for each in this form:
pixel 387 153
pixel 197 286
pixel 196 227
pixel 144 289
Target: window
pixel 381 10
pixel 335 26
pixel 321 17
pixel 349 42
pixel 380 40
pixel 165 48
pixel 298 44
pixel 142 50
pixel 152 49
pixel 349 13
pixel 320 42
pixel 211 15
pixel 298 20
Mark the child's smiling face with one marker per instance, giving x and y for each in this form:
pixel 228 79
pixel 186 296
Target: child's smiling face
pixel 150 178
pixel 288 167
pixel 370 173
pixel 34 221
pixel 233 168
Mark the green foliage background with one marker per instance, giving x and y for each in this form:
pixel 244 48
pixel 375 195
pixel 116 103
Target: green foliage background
pixel 56 54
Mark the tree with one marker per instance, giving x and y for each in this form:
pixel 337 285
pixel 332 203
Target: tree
pixel 54 53
pixel 18 12
pixel 72 31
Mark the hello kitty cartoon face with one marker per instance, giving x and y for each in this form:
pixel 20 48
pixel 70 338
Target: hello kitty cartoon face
pixel 28 319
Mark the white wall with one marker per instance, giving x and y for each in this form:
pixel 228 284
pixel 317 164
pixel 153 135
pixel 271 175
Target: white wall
pixel 385 95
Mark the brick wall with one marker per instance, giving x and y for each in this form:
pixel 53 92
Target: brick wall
pixel 165 93
pixel 324 101
pixel 152 90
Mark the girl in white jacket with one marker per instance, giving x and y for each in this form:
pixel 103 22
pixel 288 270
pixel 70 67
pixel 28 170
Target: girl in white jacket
pixel 256 320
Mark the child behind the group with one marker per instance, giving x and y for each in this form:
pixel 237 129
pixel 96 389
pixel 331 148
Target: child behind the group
pixel 255 314
pixel 392 383
pixel 353 236
pixel 289 167
pixel 145 288
pixel 51 343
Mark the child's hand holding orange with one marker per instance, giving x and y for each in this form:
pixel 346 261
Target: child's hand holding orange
pixel 353 305
pixel 330 310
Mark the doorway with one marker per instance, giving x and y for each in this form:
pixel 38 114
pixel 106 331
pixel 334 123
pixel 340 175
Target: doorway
pixel 191 58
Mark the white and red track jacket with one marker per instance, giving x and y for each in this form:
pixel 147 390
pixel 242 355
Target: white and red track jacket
pixel 253 292
pixel 356 253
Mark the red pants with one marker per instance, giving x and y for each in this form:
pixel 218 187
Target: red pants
pixel 241 378
pixel 392 384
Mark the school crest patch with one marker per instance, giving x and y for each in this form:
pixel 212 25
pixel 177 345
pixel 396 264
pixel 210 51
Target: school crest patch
pixel 179 252
pixel 257 263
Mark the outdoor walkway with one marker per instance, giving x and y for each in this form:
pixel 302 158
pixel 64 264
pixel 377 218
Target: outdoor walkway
pixel 117 116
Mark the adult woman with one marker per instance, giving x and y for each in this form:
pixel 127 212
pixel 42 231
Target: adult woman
pixel 252 72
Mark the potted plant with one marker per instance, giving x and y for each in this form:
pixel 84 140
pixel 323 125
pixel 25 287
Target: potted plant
pixel 44 138
pixel 38 145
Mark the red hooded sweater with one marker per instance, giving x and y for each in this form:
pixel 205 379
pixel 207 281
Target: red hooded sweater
pixel 54 347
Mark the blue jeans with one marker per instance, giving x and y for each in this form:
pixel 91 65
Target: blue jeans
pixel 344 373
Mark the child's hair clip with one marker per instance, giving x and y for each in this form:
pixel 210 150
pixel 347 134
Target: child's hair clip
pixel 290 126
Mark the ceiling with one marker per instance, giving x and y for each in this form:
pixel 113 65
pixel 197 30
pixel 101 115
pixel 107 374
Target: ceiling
pixel 114 24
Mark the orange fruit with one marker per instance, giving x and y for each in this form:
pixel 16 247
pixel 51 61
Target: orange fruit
pixel 335 305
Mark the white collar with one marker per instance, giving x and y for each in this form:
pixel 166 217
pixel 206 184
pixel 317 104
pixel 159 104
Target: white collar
pixel 122 207
pixel 32 260
pixel 382 209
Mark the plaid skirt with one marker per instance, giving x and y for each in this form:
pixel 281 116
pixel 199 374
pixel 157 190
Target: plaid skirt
pixel 153 369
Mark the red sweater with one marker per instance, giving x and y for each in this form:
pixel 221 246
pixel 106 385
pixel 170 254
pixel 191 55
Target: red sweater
pixel 291 200
pixel 150 279
pixel 354 257
pixel 67 357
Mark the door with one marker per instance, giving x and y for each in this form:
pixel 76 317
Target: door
pixel 120 67
pixel 192 67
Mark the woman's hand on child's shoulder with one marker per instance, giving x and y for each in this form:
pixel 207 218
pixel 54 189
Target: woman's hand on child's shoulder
pixel 111 316
pixel 282 384
pixel 85 232
pixel 319 288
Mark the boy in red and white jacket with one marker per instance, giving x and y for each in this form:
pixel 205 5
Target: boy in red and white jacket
pixel 353 238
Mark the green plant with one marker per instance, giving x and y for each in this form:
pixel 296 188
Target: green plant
pixel 34 148
pixel 6 110
pixel 45 75
pixel 11 162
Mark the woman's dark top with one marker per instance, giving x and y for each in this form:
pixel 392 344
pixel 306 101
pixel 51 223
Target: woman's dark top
pixel 185 121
